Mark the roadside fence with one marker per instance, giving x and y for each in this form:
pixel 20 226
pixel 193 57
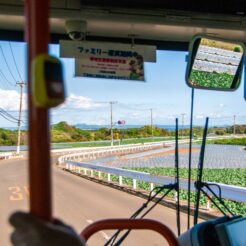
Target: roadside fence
pixel 76 162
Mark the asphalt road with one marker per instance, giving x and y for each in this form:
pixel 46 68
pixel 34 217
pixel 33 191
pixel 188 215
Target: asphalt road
pixel 78 202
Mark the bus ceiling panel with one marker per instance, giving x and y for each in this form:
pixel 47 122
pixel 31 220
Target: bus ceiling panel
pixel 118 22
pixel 163 31
pixel 53 3
pixel 228 7
pixel 14 23
pixel 155 30
pixel 232 7
pixel 65 4
pixel 11 2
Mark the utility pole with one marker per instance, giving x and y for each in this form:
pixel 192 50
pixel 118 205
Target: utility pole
pixel 21 84
pixel 234 124
pixel 151 122
pixel 111 122
pixel 183 115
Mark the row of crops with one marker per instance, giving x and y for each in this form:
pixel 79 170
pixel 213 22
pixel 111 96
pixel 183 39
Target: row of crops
pixel 212 80
pixel 226 176
pixel 218 59
pixel 222 52
pixel 216 156
pixel 207 66
pixel 215 67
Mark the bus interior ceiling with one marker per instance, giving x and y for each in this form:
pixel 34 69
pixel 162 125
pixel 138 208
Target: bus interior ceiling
pixel 167 24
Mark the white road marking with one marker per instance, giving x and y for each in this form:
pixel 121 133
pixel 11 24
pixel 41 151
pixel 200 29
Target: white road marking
pixel 103 234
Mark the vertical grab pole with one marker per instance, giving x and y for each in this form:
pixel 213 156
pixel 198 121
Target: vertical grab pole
pixel 37 37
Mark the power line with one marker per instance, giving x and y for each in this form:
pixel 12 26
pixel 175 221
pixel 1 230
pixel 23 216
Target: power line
pixel 7 118
pixel 13 113
pixel 15 62
pixel 7 64
pixel 21 85
pixel 4 86
pixel 9 83
pixel 7 114
pixel 133 108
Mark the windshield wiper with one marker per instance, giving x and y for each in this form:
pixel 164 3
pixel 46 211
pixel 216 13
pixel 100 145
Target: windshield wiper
pixel 151 198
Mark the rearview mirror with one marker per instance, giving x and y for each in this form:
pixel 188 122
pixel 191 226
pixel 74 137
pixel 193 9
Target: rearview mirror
pixel 214 64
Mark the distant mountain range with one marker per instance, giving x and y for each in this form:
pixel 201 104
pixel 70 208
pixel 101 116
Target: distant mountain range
pixel 96 127
pixel 13 128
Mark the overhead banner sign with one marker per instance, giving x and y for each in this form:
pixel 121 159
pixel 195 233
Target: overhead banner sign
pixel 87 49
pixel 120 67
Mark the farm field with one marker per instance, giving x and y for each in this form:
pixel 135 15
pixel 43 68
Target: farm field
pixel 214 80
pixel 108 142
pixel 223 164
pixel 231 141
pixel 216 156
pixel 226 176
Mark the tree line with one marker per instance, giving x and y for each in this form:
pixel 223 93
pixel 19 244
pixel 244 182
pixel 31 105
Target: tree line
pixel 63 132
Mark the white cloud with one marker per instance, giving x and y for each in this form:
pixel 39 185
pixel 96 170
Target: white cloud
pixel 80 109
pixel 200 116
pixel 170 117
pixel 80 102
pixel 135 115
pixel 10 100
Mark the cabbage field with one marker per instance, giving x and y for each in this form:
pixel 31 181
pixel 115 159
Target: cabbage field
pixel 230 176
pixel 212 80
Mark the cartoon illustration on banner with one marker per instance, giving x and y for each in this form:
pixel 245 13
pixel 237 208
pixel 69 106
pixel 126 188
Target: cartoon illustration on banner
pixel 128 67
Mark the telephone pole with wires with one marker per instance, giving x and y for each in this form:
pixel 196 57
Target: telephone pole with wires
pixel 111 122
pixel 111 119
pixel 151 122
pixel 21 85
pixel 234 124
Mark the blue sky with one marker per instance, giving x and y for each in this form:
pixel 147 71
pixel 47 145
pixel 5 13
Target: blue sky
pixel 165 91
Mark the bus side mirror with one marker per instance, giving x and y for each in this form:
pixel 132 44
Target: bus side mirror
pixel 215 64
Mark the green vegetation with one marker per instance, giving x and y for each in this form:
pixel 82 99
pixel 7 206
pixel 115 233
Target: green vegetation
pixel 237 49
pixel 116 142
pixel 230 141
pixel 8 137
pixel 221 45
pixel 211 80
pixel 239 129
pixel 226 176
pixel 70 136
pixel 62 132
